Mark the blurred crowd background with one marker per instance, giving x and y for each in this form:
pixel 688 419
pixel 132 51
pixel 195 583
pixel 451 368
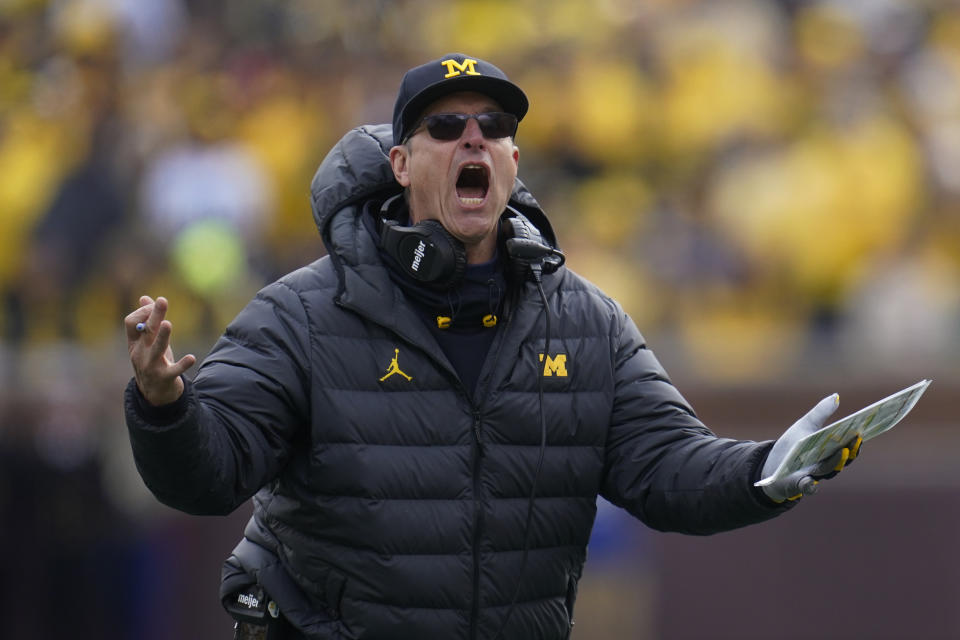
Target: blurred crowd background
pixel 770 188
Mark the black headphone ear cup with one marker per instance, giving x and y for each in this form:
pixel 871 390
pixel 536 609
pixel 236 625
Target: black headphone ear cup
pixel 425 251
pixel 450 253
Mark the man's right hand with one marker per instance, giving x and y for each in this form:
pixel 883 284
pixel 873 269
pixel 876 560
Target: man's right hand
pixel 156 372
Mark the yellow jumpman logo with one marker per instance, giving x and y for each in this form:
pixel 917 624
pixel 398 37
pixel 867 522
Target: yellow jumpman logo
pixel 394 367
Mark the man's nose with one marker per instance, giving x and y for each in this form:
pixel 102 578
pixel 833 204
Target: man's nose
pixel 472 136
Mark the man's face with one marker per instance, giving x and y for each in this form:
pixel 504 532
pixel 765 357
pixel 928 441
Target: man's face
pixel 465 183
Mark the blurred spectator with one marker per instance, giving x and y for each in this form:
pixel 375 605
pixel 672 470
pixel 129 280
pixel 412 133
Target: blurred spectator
pixel 69 239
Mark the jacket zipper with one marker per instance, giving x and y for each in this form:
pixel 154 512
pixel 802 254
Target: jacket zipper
pixel 479 452
pixel 477 524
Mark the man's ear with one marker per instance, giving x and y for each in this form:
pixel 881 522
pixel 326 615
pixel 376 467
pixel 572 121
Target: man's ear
pixel 400 162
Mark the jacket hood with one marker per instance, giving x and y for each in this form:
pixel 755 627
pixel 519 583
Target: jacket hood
pixel 357 169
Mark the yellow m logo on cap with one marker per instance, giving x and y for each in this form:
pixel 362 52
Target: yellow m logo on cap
pixel 555 366
pixel 455 68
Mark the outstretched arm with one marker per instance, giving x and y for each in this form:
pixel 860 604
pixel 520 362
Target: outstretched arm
pixel 206 446
pixel 663 465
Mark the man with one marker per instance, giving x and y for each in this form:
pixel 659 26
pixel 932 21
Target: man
pixel 427 415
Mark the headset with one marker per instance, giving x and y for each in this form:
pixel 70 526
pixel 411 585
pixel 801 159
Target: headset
pixel 430 254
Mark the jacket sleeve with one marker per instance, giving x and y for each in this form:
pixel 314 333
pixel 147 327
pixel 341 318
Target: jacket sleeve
pixel 233 429
pixel 663 465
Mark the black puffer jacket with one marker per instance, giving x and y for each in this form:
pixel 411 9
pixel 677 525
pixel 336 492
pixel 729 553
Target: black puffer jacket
pixel 396 503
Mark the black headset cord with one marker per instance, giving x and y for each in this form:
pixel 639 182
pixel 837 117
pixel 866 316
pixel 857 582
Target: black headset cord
pixel 536 269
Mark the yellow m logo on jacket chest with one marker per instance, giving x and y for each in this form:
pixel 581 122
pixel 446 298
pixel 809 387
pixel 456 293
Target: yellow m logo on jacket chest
pixel 555 365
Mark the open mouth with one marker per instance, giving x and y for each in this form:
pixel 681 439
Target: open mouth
pixel 472 184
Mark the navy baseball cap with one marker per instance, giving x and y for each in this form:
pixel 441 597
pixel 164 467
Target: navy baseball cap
pixel 452 73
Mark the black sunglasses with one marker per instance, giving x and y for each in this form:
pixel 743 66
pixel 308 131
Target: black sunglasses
pixel 449 126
